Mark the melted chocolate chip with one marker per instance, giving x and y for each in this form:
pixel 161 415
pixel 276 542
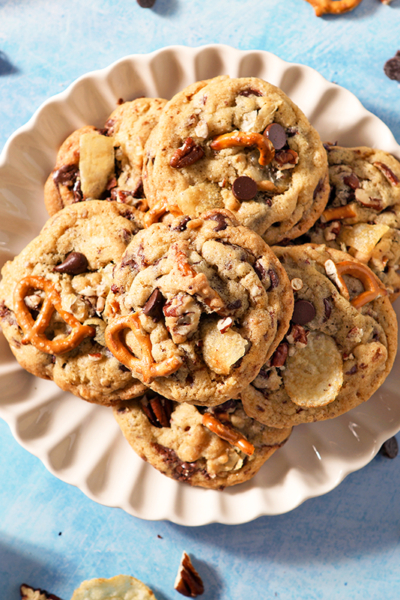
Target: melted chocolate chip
pixel 234 305
pixel 154 305
pixel 390 448
pixel 75 264
pixel 304 312
pixel 392 67
pixel 244 188
pixel 328 308
pixel 318 189
pixel 352 181
pixel 276 135
pixel 352 371
pixel 66 175
pixel 221 221
pixel 182 224
pixel 250 92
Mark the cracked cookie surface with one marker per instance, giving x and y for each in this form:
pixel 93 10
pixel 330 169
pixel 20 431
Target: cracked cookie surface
pixel 82 242
pixel 174 439
pixel 363 213
pixel 105 163
pixel 209 296
pixel 334 355
pixel 188 168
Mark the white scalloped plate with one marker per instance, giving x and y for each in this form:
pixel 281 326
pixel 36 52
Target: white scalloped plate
pixel 80 443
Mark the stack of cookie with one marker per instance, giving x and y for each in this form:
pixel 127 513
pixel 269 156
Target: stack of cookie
pixel 192 276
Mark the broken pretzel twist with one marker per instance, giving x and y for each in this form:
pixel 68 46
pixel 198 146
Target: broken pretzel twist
pixel 228 434
pixel 239 138
pixel 34 330
pixel 146 365
pixel 333 7
pixel 158 210
pixel 373 286
pixel 340 212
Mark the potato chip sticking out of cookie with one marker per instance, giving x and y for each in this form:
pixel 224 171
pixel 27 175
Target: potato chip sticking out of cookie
pixel 314 374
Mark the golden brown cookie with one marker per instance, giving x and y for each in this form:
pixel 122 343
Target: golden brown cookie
pixel 197 306
pixel 52 299
pixel 339 348
pixel 207 447
pixel 239 144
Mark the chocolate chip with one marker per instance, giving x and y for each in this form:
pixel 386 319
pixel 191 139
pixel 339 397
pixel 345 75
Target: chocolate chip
pixel 234 305
pixel 291 131
pixel 244 188
pixel 182 224
pixel 318 189
pixel 153 306
pixel 276 134
pixel 352 371
pixel 328 309
pixel 390 448
pixel 221 221
pixel 74 264
pixel 250 92
pixel 304 312
pixel 146 3
pixel 352 181
pixel 392 67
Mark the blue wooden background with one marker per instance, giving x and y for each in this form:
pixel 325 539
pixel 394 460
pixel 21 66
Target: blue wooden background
pixel 344 545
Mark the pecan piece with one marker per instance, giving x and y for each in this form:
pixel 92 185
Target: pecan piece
pixel 187 154
pixel 388 173
pixel 280 355
pixel 188 582
pixel 158 410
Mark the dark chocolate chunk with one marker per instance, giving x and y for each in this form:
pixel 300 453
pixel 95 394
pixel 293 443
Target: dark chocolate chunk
pixel 154 305
pixel 221 221
pixel 182 223
pixel 327 308
pixel 390 448
pixel 274 279
pixel 280 355
pixel 318 189
pixel 276 134
pixel 244 188
pixel 352 181
pixel 66 175
pixel 392 67
pixel 304 312
pixel 74 264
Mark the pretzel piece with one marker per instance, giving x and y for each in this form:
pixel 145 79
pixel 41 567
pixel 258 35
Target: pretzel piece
pixel 200 284
pixel 146 366
pixel 373 286
pixel 158 210
pixel 228 434
pixel 34 330
pixel 333 7
pixel 240 138
pixel 340 212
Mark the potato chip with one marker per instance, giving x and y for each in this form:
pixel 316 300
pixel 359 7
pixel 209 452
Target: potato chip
pixel 120 587
pixel 363 237
pixel 314 374
pixel 222 350
pixel 96 163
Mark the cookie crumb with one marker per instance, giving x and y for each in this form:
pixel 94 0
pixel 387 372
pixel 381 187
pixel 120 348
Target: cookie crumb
pixel 392 67
pixel 390 448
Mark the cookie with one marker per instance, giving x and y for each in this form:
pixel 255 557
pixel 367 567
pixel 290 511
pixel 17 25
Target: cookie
pixel 339 348
pixel 239 144
pixel 363 213
pixel 202 303
pixel 120 587
pixel 52 299
pixel 105 163
pixel 207 447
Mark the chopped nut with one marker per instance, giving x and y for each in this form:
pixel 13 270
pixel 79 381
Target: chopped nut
pixel 296 284
pixel 188 582
pixel 224 324
pixel 29 593
pixel 201 131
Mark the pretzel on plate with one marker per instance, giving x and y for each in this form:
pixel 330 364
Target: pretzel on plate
pixel 146 365
pixel 34 330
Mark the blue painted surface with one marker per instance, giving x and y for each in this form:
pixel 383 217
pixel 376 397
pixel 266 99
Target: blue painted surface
pixel 344 545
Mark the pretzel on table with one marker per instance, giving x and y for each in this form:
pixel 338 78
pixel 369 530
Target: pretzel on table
pixel 333 7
